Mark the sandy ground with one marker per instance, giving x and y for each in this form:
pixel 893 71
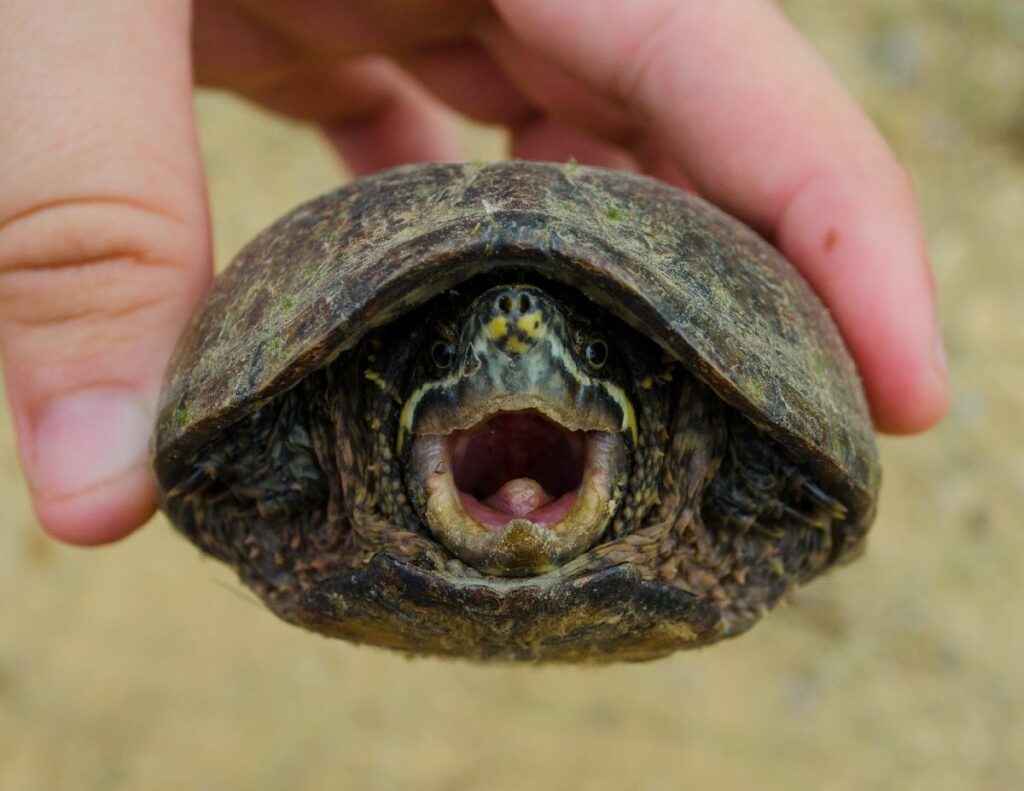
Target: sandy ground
pixel 145 666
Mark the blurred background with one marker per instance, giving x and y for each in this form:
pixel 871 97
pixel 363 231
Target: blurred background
pixel 143 665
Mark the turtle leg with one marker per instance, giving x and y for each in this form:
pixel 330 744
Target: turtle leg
pixel 758 488
pixel 769 518
pixel 737 522
pixel 259 500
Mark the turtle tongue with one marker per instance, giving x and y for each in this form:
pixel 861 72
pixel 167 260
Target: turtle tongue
pixel 516 500
pixel 519 497
pixel 517 465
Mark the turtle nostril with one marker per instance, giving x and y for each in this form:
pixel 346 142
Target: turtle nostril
pixel 514 302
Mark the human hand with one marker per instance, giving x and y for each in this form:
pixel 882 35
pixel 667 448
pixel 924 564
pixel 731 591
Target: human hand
pixel 104 231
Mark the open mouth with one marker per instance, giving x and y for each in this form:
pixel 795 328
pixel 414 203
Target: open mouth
pixel 518 465
pixel 518 493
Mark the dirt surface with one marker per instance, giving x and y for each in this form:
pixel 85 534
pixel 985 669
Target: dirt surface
pixel 144 666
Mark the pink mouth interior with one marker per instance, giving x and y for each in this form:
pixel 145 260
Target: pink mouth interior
pixel 517 465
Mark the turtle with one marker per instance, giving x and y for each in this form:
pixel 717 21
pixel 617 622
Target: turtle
pixel 516 411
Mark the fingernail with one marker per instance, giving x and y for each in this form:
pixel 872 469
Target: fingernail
pixel 87 438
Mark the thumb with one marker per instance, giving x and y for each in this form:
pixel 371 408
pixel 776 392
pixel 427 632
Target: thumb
pixel 104 246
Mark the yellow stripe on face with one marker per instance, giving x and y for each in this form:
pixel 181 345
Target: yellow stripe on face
pixel 405 419
pixel 531 324
pixel 383 384
pixel 628 413
pixel 497 328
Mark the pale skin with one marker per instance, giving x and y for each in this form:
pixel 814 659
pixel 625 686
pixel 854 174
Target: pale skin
pixel 104 230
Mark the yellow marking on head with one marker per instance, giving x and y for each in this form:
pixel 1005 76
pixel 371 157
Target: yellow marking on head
pixel 646 383
pixel 531 324
pixel 515 346
pixel 405 418
pixel 497 328
pixel 667 376
pixel 628 413
pixel 383 384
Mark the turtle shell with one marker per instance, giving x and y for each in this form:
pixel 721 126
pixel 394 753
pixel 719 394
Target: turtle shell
pixel 705 287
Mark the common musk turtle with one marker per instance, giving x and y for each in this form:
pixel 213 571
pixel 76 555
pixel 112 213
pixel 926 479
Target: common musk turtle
pixel 516 410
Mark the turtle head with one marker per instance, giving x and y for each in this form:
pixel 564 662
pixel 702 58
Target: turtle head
pixel 518 439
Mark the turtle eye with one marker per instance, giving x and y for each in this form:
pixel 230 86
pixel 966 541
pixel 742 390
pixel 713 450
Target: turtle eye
pixel 443 354
pixel 596 353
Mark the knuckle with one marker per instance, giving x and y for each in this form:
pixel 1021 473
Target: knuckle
pixel 87 261
pixel 646 56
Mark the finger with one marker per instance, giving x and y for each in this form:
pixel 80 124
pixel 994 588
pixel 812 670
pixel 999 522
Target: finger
pixel 549 126
pixel 594 123
pixel 654 161
pixel 240 44
pixel 232 49
pixel 554 140
pixel 103 247
pixel 372 112
pixel 406 125
pixel 551 115
pixel 547 139
pixel 360 26
pixel 556 92
pixel 760 126
pixel 465 77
